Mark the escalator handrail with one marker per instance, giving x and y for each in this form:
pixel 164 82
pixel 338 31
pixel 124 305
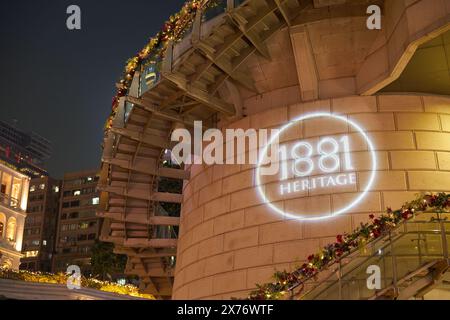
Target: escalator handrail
pixel 355 251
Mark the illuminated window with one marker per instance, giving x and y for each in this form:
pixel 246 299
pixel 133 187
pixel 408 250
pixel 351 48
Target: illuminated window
pixel 96 200
pixel 35 242
pixel 89 179
pixel 6 184
pixel 84 225
pixel 42 186
pixel 2 224
pixel 11 229
pixel 44 242
pixel 55 189
pixel 76 192
pixel 33 188
pixel 31 254
pixel 73 215
pixel 16 188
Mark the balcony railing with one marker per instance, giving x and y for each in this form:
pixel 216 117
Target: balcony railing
pixel 405 257
pixel 10 202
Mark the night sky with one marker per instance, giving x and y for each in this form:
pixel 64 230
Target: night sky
pixel 60 83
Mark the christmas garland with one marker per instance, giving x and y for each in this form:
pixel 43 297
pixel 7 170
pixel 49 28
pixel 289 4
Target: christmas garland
pixel 172 30
pixel 344 244
pixel 61 278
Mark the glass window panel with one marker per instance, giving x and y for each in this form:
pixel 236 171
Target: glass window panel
pixel 11 229
pixel 16 187
pixel 6 183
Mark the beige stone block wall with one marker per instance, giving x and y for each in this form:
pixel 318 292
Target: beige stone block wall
pixel 230 240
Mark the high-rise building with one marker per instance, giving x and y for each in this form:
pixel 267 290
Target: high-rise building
pixel 13 203
pixel 40 224
pixel 27 151
pixel 78 226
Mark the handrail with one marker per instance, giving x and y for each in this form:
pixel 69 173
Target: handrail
pixel 10 202
pixel 391 240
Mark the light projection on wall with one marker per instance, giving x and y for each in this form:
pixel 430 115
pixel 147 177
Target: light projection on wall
pixel 317 165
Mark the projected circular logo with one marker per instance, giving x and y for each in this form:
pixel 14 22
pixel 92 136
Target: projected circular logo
pixel 316 167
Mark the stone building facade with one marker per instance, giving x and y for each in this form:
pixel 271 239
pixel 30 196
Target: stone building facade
pixel 13 205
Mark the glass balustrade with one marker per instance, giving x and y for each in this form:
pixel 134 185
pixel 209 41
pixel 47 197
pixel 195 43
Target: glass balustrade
pixel 128 107
pixel 164 232
pixel 412 246
pixel 237 3
pixel 219 7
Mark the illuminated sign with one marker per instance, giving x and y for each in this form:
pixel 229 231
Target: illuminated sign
pixel 315 166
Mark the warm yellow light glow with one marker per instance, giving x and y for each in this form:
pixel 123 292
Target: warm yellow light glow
pixel 11 229
pixel 31 254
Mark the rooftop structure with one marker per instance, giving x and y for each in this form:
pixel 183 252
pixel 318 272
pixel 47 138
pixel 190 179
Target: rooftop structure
pixel 27 151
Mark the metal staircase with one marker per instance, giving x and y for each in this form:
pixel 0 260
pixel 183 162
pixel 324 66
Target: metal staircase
pixel 412 260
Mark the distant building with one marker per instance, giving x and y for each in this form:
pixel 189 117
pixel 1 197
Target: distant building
pixel 13 203
pixel 26 151
pixel 40 224
pixel 78 226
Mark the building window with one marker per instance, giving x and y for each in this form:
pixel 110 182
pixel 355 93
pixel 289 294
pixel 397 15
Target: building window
pixel 11 229
pixel 55 189
pixel 96 200
pixel 73 215
pixel 82 237
pixel 2 225
pixel 35 242
pixel 33 188
pixel 75 203
pixel 16 188
pixel 6 184
pixel 30 254
pixel 85 249
pixel 44 242
pixel 77 193
pixel 42 186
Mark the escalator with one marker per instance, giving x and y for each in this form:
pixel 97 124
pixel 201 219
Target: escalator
pixel 412 262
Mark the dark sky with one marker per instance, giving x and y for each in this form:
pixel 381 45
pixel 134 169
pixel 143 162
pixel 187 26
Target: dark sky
pixel 59 83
